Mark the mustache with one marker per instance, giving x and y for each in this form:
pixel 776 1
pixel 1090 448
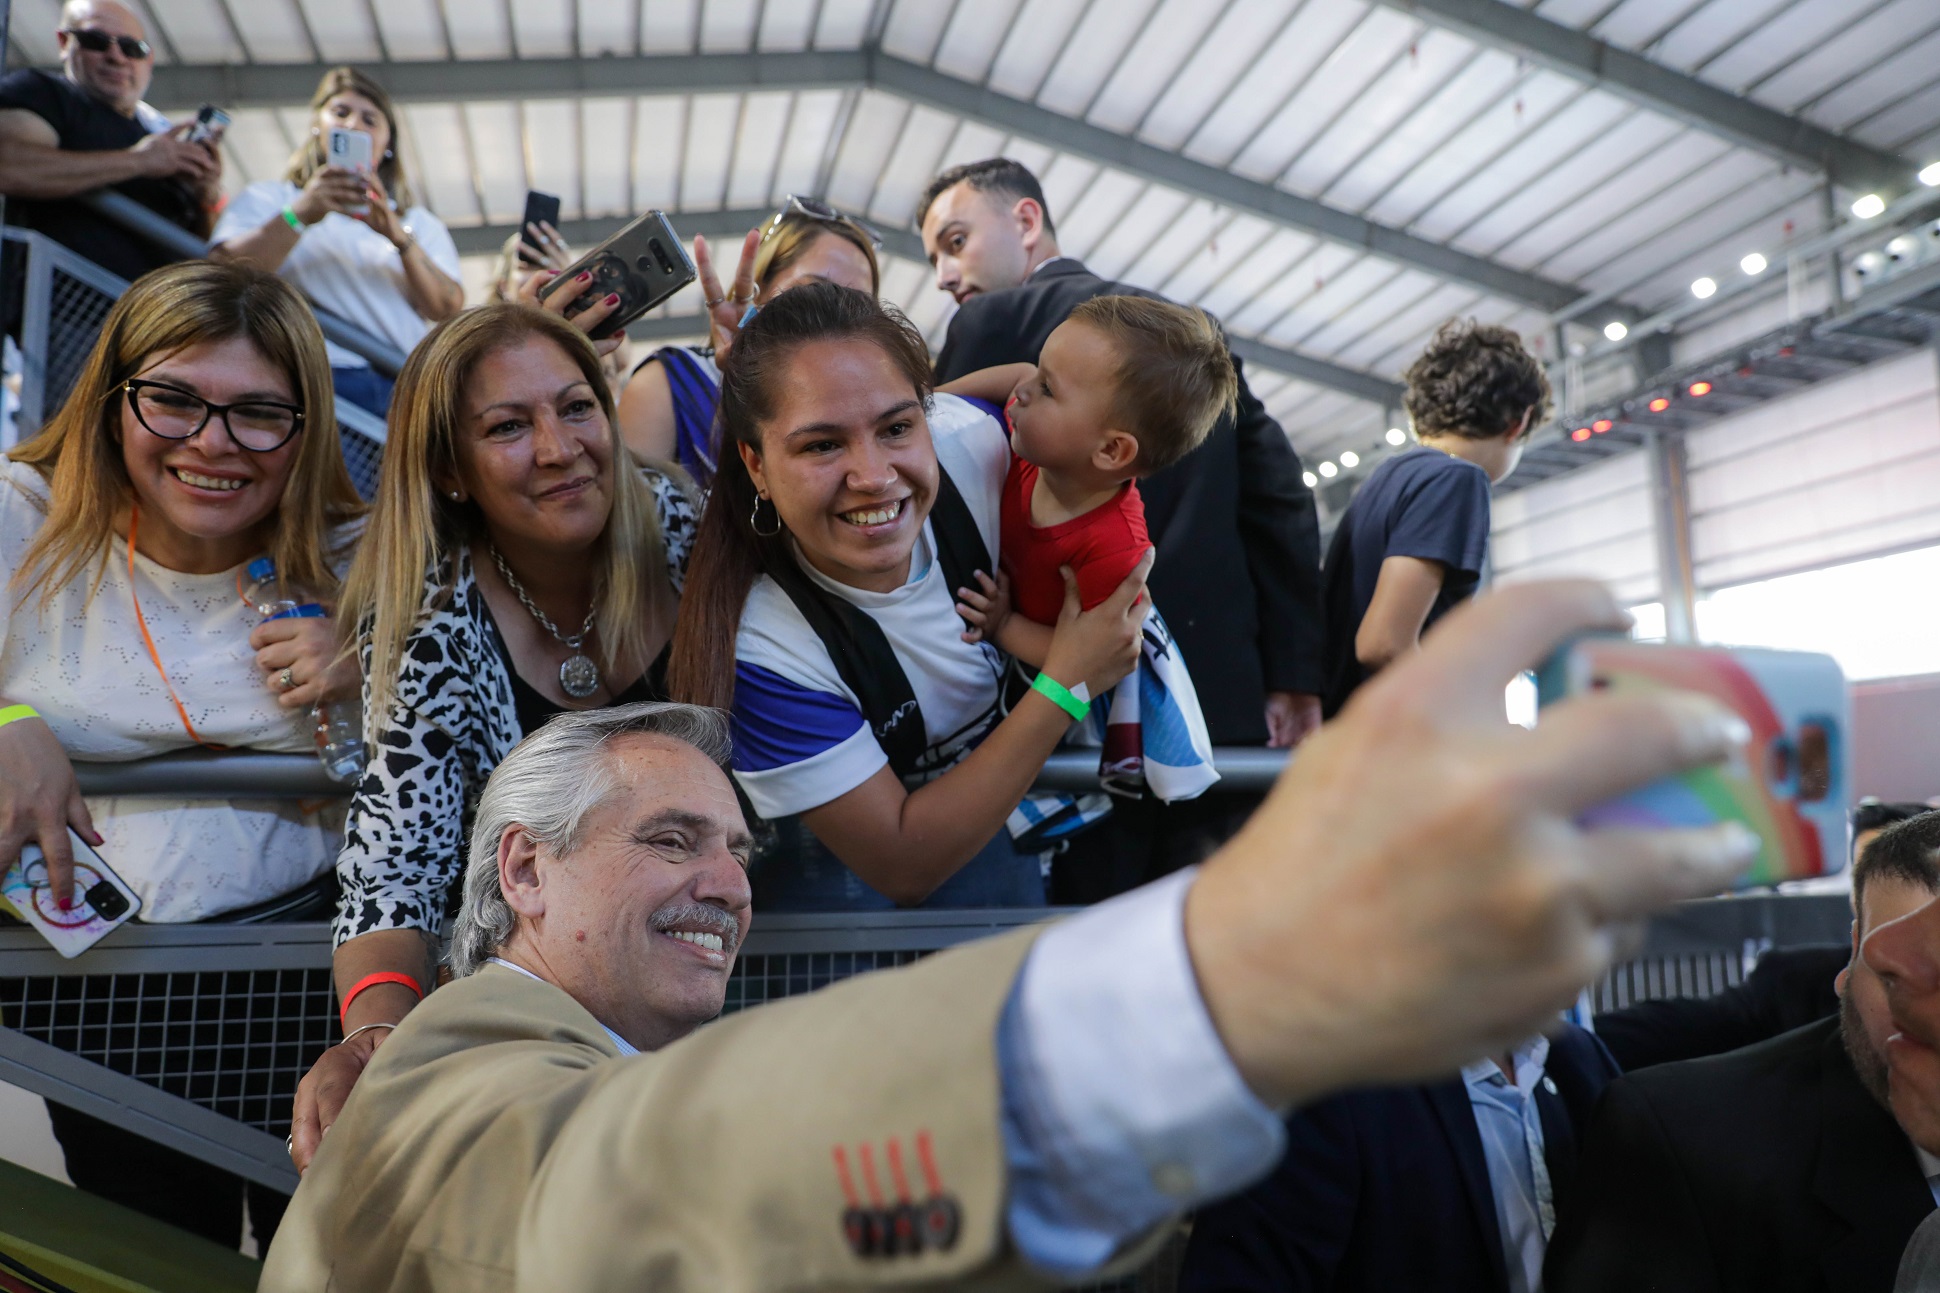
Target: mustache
pixel 699 916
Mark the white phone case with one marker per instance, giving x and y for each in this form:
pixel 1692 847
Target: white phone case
pixel 71 932
pixel 351 149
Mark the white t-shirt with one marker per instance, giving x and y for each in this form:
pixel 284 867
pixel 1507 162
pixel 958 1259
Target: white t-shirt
pixel 345 266
pixel 83 665
pixel 800 739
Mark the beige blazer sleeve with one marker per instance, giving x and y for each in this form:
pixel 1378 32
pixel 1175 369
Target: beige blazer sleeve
pixel 498 1142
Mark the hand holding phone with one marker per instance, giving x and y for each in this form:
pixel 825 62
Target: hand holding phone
pixel 643 264
pixel 540 209
pixel 104 901
pixel 352 150
pixel 1788 786
pixel 210 123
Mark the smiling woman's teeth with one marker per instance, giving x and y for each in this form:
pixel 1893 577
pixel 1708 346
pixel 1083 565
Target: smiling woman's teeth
pixel 207 482
pixel 712 942
pixel 876 516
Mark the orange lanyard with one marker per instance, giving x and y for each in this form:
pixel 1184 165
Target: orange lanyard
pixel 134 518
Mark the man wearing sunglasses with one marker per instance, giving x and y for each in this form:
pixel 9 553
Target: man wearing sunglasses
pixel 87 128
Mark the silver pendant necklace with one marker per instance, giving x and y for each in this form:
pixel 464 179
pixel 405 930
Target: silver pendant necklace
pixel 579 677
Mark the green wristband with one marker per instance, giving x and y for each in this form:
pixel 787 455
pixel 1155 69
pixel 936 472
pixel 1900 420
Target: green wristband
pixel 14 713
pixel 1056 692
pixel 291 218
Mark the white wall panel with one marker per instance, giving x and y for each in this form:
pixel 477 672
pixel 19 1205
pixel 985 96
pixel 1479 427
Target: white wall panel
pixel 1841 471
pixel 1594 523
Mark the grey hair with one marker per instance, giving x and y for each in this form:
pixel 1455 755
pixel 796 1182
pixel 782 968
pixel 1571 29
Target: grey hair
pixel 548 784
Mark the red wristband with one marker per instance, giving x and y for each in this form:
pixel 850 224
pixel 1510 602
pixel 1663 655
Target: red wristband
pixel 371 981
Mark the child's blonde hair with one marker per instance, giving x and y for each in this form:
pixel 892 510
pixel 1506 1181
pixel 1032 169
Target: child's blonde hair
pixel 1175 375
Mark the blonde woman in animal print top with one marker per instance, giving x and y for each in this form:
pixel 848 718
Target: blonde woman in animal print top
pixel 518 563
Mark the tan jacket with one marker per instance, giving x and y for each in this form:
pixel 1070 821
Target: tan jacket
pixel 498 1142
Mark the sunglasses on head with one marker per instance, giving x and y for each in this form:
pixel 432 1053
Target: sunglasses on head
pixel 816 209
pixel 97 42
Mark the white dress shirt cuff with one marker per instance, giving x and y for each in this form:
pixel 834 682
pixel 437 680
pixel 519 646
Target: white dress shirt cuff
pixel 1130 1108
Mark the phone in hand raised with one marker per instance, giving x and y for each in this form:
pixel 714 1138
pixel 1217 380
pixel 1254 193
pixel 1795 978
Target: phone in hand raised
pixel 352 150
pixel 643 264
pixel 540 209
pixel 1789 786
pixel 210 122
pixel 102 900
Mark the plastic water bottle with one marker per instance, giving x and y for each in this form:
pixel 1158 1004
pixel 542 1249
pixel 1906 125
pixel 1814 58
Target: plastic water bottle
pixel 339 724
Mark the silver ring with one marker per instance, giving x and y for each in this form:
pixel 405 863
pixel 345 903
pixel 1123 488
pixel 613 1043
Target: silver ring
pixel 289 1145
pixel 716 301
pixel 286 681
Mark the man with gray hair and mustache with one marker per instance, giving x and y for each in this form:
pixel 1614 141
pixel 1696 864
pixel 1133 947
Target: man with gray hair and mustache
pixel 1039 1105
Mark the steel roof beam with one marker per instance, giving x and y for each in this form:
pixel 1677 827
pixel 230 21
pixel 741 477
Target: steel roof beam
pixel 723 227
pixel 290 84
pixel 1686 98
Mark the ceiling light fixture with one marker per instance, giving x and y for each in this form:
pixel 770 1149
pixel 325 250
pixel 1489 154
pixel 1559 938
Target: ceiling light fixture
pixel 1396 436
pixel 1615 330
pixel 1659 404
pixel 1931 176
pixel 1580 434
pixel 1869 206
pixel 1310 478
pixel 1349 458
pixel 1700 388
pixel 1753 264
pixel 1704 289
pixel 1329 470
pixel 1601 425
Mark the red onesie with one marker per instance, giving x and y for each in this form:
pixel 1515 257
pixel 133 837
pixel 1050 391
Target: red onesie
pixel 1101 547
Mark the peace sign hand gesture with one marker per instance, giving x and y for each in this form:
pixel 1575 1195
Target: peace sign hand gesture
pixel 725 310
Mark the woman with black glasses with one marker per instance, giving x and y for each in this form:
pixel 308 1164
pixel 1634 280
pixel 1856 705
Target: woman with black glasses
pixel 667 409
pixel 198 438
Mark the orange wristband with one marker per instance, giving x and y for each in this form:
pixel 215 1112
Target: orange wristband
pixel 371 981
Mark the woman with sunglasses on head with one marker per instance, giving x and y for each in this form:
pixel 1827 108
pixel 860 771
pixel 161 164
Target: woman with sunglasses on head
pixel 667 409
pixel 355 242
pixel 198 438
pixel 519 563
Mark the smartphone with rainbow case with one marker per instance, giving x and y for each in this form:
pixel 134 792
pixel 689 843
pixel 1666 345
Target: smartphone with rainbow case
pixel 1789 785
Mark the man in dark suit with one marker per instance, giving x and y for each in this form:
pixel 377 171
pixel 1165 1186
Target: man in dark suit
pixel 1399 1188
pixel 1778 1168
pixel 1238 569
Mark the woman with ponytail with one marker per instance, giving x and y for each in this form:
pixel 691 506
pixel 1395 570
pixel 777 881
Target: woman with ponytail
pixel 846 494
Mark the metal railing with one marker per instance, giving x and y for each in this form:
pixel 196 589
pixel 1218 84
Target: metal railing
pixel 255 775
pixel 176 984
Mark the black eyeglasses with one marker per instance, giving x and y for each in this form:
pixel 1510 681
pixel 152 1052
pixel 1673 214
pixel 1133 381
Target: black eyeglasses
pixel 174 414
pixel 816 209
pixel 97 42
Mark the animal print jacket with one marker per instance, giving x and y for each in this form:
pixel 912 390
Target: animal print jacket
pixel 451 721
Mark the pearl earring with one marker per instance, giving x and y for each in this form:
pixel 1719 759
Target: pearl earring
pixel 455 496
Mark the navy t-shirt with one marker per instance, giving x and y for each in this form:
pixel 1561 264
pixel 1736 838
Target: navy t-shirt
pixel 1422 503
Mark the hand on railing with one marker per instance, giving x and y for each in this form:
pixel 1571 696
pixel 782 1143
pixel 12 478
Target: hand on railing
pixel 39 800
pixel 170 154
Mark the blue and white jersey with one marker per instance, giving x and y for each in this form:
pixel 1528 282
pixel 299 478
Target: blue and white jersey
pixel 800 739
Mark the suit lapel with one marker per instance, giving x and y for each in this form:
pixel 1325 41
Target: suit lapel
pixel 1866 1177
pixel 1451 1104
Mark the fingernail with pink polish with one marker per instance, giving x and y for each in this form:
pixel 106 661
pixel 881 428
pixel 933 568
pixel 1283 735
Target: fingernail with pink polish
pixel 613 299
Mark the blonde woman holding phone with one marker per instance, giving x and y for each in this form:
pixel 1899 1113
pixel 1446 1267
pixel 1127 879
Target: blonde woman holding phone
pixel 355 242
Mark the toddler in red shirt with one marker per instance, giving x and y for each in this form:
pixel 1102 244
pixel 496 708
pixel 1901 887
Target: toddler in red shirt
pixel 1125 386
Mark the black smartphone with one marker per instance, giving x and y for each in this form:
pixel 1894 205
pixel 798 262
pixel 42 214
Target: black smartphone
pixel 540 208
pixel 210 122
pixel 643 264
